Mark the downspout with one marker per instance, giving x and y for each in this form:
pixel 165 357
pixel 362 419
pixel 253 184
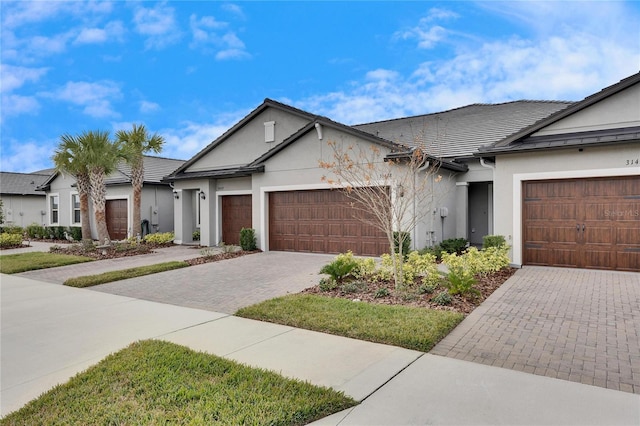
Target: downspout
pixel 492 167
pixel 415 225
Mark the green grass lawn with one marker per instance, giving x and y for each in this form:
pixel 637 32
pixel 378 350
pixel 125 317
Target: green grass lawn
pixel 14 263
pixel 107 277
pixel 407 327
pixel 154 382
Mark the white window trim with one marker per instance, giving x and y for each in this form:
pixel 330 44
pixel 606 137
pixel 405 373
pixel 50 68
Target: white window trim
pixel 50 210
pixel 79 223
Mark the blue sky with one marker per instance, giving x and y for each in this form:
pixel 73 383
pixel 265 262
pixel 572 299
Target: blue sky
pixel 189 70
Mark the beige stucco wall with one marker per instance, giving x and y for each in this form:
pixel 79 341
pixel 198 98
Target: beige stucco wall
pixel 248 143
pixel 618 111
pixel 513 169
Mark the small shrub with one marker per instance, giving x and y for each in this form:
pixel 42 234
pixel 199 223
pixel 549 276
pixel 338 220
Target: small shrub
pixel 341 267
pixel 75 232
pixel 436 251
pixel 159 238
pixel 416 266
pixel 327 284
pixel 248 239
pixel 13 230
pixel 35 231
pixel 427 288
pixel 195 236
pixel 208 251
pixel 454 245
pixel 493 241
pixel 10 240
pixel 354 286
pixel 442 298
pixel 381 292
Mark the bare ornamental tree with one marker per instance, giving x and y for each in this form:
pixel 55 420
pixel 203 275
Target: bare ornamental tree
pixel 396 189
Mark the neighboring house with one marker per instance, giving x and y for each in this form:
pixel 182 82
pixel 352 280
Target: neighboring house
pixel 568 187
pixel 63 202
pixel 22 204
pixel 264 173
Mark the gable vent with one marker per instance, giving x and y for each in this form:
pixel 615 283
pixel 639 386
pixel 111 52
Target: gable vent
pixel 269 131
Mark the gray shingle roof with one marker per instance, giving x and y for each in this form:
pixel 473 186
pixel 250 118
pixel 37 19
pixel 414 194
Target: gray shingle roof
pixel 155 168
pixel 458 133
pixel 21 183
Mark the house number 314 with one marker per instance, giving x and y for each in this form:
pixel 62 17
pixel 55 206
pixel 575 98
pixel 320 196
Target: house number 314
pixel 633 162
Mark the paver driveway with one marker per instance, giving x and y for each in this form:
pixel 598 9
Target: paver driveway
pixel 228 285
pixel 573 324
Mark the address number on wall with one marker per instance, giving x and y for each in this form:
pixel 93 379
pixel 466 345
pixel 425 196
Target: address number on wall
pixel 633 162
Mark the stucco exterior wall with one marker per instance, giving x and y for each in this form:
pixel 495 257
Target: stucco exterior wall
pixel 248 143
pixel 618 111
pixel 23 210
pixel 513 169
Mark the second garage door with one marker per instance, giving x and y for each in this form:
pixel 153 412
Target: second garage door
pixel 321 221
pixel 584 223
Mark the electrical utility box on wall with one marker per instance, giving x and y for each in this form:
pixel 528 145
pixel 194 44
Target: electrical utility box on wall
pixel 444 212
pixel 154 215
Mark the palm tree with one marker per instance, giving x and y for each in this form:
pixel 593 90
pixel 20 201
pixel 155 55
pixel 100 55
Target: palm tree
pixel 135 144
pixel 70 157
pixel 102 157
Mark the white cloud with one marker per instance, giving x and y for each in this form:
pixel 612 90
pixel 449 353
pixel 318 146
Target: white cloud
pixel 426 32
pixel 38 158
pixel 16 104
pixel 148 107
pixel 565 61
pixel 95 98
pixel 112 31
pixel 158 24
pixel 213 36
pixel 14 77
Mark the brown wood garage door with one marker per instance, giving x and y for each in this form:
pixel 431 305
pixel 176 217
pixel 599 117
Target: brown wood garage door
pixel 116 211
pixel 320 221
pixel 236 214
pixel 583 223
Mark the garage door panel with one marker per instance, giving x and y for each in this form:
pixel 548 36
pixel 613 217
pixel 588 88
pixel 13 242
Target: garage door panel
pixel 325 222
pixel 599 216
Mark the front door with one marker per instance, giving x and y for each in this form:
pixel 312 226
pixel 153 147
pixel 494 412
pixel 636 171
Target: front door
pixel 117 215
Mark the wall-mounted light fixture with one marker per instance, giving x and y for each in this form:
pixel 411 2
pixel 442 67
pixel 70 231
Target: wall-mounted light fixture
pixel 400 190
pixel 175 194
pixel 202 195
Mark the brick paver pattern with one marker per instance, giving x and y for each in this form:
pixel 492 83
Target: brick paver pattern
pixel 572 324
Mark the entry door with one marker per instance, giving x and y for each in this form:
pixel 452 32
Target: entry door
pixel 236 214
pixel 116 211
pixel 584 223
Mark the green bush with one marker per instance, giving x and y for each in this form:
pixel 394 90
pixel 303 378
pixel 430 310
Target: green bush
pixel 327 284
pixel 354 286
pixel 13 230
pixel 417 266
pixel 442 298
pixel 10 240
pixel 381 292
pixel 248 239
pixel 493 241
pixel 35 231
pixel 195 236
pixel 75 232
pixel 406 242
pixel 159 238
pixel 436 251
pixel 454 245
pixel 341 267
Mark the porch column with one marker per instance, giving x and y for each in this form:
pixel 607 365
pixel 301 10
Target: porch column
pixel 462 210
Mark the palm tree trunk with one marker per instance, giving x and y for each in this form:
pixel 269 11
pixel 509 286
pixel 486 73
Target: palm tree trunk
pixel 137 180
pixel 84 189
pixel 99 198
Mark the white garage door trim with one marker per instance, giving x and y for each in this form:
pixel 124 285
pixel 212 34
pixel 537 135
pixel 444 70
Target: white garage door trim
pixel 570 174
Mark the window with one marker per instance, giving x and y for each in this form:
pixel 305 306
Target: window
pixel 54 205
pixel 75 209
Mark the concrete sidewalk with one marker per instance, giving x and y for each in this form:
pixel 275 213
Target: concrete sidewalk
pixel 50 332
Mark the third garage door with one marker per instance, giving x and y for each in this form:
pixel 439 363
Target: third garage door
pixel 320 221
pixel 584 223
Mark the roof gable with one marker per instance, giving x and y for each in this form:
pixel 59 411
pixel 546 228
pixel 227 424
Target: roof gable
pixel 611 115
pixel 298 116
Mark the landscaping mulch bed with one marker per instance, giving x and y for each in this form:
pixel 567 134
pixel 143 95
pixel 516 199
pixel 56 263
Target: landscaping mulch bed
pixel 463 304
pixel 219 256
pixel 112 252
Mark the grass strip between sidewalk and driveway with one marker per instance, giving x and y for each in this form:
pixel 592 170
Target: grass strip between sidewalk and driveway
pixel 408 327
pixel 22 262
pixel 107 277
pixel 155 382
